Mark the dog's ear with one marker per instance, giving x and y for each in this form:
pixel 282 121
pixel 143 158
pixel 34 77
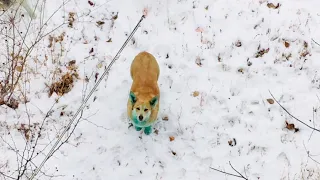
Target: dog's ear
pixel 132 97
pixel 154 101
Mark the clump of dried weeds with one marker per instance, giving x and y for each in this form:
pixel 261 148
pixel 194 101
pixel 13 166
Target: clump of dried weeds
pixel 66 82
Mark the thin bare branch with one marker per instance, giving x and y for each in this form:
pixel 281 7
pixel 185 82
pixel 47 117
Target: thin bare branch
pixel 292 115
pixel 230 174
pixel 315 42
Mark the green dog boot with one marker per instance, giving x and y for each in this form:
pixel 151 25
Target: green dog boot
pixel 148 130
pixel 138 128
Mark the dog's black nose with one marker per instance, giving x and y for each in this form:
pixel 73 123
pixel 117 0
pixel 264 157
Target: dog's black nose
pixel 140 118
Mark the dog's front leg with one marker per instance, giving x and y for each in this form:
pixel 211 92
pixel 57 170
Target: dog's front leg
pixel 137 128
pixel 148 130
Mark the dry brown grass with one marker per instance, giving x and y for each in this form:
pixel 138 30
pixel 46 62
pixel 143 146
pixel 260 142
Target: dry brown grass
pixel 66 82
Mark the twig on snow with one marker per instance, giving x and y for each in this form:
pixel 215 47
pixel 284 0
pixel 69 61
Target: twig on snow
pixel 318 130
pixel 315 42
pixel 313 111
pixel 309 156
pixel 235 175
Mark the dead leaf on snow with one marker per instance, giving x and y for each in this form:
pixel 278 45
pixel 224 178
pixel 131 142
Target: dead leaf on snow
pixel 198 61
pixel 270 101
pixel 156 131
pixel 238 44
pixel 261 52
pixel 115 17
pixel 286 44
pixel 171 138
pixel 64 85
pixel 13 103
pixel 99 23
pixel 195 93
pixel 291 127
pixel 91 51
pixel 165 118
pixel 145 11
pixel 72 65
pixel 91 3
pixel 241 70
pixel 109 40
pixel 199 29
pixel 272 6
pixel 232 142
pixel 19 68
pixel 71 19
pixel 174 153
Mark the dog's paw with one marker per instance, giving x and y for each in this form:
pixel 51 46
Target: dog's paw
pixel 148 130
pixel 137 128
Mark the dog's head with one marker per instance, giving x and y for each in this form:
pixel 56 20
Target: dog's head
pixel 142 106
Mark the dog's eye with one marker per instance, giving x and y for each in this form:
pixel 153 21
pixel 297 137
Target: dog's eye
pixel 145 110
pixel 138 109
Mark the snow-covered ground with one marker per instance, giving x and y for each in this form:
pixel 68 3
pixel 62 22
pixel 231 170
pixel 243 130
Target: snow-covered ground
pixel 218 61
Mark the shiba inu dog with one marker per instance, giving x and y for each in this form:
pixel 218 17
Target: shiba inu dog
pixel 144 96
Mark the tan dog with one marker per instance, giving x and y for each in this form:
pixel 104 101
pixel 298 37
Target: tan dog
pixel 144 97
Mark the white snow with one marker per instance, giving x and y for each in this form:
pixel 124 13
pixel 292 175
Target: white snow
pixel 194 43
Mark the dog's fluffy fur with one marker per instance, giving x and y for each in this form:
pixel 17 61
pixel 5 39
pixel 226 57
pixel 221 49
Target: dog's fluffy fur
pixel 144 97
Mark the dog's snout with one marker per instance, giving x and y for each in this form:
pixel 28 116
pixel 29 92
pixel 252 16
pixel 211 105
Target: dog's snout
pixel 140 118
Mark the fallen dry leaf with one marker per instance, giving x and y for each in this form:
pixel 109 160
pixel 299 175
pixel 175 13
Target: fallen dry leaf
pixel 64 85
pixel 165 118
pixel 238 44
pixel 91 3
pixel 260 53
pixel 99 23
pixel 241 70
pixel 199 29
pixel 19 68
pixel 71 19
pixel 72 62
pixel 195 93
pixel 286 44
pixel 96 77
pixel 72 65
pixel 115 17
pixel 145 11
pixel 304 53
pixel 156 131
pixel 198 61
pixel 174 153
pixel 99 65
pixel 171 138
pixel 291 127
pixel 13 103
pixel 271 5
pixel 270 101
pixel 232 142
pixel 109 40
